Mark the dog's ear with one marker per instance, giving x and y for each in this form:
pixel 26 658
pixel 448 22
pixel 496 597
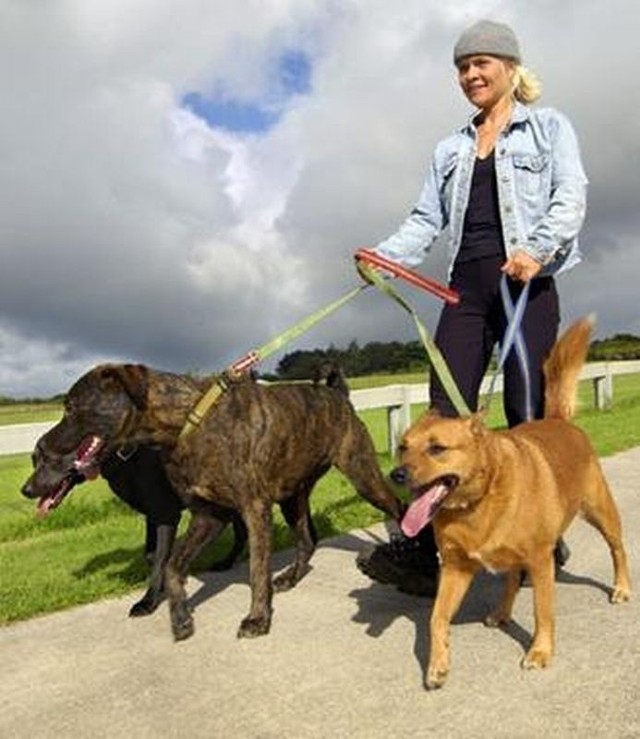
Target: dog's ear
pixel 133 378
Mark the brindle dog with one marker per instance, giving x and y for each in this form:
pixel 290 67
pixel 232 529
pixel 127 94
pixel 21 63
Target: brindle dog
pixel 258 445
pixel 137 476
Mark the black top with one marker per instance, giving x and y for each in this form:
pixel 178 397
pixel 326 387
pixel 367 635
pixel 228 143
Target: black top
pixel 482 234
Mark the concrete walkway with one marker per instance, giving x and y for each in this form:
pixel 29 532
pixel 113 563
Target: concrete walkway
pixel 344 658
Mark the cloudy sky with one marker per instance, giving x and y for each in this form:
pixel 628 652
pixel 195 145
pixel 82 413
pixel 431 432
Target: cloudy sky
pixel 182 180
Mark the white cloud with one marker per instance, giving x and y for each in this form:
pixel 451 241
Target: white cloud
pixel 129 229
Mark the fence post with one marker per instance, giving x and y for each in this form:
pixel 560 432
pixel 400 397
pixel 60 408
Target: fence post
pixel 405 417
pixel 393 427
pixel 398 420
pixel 603 387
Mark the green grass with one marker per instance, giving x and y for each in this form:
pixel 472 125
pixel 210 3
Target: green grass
pixel 91 547
pixel 29 413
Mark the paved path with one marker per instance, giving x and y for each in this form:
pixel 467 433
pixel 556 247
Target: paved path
pixel 344 659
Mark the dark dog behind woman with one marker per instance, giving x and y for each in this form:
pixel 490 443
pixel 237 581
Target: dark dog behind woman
pixel 510 188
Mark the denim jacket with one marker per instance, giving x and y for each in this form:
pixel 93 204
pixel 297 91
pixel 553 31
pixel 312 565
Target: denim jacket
pixel 541 192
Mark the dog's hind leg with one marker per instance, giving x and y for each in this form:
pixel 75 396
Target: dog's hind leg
pixel 600 511
pixel 257 518
pixel 165 536
pixel 150 540
pixel 239 541
pixel 297 514
pixel 203 528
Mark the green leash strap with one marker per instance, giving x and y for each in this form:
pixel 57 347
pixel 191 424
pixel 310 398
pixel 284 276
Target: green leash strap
pixel 202 407
pixel 435 356
pixel 219 385
pixel 257 355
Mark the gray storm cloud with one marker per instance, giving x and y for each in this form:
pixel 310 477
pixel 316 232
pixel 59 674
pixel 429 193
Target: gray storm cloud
pixel 131 230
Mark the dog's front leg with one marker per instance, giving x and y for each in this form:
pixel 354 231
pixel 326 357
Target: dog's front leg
pixel 453 585
pixel 150 540
pixel 257 517
pixel 542 580
pixel 153 597
pixel 202 528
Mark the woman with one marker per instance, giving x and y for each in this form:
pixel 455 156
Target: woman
pixel 510 189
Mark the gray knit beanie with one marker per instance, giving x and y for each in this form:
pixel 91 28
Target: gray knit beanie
pixel 487 37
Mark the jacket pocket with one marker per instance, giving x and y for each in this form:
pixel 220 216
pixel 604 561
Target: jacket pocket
pixel 532 174
pixel 531 162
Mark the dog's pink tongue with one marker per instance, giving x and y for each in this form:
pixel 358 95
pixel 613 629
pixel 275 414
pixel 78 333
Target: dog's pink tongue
pixel 44 507
pixel 422 510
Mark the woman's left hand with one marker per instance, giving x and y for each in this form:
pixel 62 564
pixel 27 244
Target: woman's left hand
pixel 520 266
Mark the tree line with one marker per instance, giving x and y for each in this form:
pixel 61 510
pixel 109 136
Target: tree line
pixel 395 357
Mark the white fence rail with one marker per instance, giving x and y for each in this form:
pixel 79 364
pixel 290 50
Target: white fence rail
pixel 397 399
pixel 22 437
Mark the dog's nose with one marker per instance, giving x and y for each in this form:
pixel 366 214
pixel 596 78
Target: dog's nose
pixel 27 490
pixel 400 475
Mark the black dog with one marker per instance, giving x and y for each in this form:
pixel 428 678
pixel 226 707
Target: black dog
pixel 136 474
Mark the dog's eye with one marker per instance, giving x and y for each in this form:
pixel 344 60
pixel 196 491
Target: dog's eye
pixel 434 449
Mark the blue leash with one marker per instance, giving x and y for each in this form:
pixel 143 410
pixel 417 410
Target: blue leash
pixel 513 336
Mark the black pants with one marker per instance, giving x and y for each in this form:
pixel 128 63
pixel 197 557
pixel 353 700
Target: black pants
pixel 467 333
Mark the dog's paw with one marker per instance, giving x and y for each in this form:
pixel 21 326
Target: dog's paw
pixel 284 582
pixel 181 622
pixel 183 630
pixel 620 595
pixel 252 627
pixel 145 606
pixel 536 659
pixel 435 678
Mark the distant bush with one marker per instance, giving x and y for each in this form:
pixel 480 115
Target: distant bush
pixel 618 347
pixel 395 357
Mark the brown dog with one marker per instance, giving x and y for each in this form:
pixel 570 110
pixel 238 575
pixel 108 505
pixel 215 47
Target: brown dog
pixel 257 446
pixel 501 500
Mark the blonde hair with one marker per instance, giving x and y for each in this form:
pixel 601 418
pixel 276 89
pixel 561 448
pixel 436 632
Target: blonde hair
pixel 527 88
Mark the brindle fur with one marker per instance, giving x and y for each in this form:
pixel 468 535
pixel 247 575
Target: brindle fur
pixel 258 445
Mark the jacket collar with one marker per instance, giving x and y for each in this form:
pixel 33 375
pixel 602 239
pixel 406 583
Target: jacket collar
pixel 520 115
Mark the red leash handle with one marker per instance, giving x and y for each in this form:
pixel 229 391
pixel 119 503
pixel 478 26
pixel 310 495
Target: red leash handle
pixel 397 270
pixel 245 363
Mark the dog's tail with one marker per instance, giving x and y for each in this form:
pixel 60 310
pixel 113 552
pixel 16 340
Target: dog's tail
pixel 562 368
pixel 331 374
